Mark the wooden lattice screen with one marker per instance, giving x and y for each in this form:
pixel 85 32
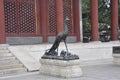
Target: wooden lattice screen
pixel 10 16
pixel 26 16
pixel 20 16
pixel 52 16
pixel 68 11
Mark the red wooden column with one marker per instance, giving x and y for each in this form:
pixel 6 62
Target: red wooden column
pixel 94 20
pixel 44 14
pixel 76 15
pixel 114 19
pixel 59 13
pixel 2 23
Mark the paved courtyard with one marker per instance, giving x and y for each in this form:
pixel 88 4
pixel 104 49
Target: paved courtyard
pixel 96 72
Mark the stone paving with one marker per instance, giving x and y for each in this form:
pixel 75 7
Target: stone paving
pixel 96 72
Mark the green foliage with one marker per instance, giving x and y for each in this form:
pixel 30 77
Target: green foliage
pixel 86 15
pixel 119 9
pixel 104 13
pixel 119 14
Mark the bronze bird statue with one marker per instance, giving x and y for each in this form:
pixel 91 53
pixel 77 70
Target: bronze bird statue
pixel 61 36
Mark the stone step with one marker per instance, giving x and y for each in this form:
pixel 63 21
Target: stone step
pixel 7 58
pixel 3 46
pixel 6 62
pixel 14 71
pixel 11 66
pixel 5 54
pixel 4 51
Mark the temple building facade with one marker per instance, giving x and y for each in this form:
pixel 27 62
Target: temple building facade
pixel 39 21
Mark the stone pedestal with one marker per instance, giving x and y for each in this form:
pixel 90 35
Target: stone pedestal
pixel 116 55
pixel 116 59
pixel 60 68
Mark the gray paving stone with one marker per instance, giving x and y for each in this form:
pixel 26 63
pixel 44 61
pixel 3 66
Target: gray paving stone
pixel 98 72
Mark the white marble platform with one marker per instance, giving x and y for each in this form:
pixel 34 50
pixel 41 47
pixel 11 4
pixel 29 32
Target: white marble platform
pixel 92 53
pixel 60 68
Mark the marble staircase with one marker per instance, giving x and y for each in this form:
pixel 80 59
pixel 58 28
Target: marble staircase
pixel 9 64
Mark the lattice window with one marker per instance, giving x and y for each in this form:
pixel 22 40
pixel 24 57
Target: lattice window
pixel 67 11
pixel 20 16
pixel 10 16
pixel 26 17
pixel 52 16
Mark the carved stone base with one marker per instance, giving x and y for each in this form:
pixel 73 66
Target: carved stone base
pixel 60 68
pixel 116 59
